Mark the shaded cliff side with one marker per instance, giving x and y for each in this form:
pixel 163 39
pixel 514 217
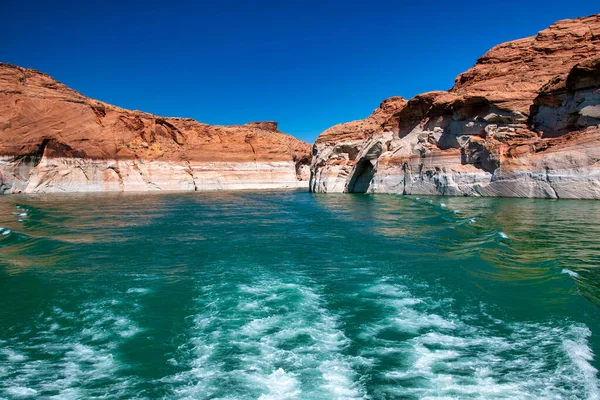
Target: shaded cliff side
pixel 523 122
pixel 53 138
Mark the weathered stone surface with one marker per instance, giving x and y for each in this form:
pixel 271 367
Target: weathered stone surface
pixel 523 122
pixel 53 138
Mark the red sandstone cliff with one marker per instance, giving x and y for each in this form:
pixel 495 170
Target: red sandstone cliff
pixel 41 118
pixel 524 121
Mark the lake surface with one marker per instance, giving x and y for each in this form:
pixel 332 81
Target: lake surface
pixel 292 295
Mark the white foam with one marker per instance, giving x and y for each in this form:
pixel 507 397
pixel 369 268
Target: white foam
pixel 22 214
pixel 138 290
pixel 341 380
pixel 448 358
pixel 6 232
pixel 73 363
pixel 21 392
pixel 443 205
pixel 572 274
pixel 13 356
pixel 581 355
pixel 257 327
pixel 412 321
pixel 503 235
pixel 290 346
pixel 472 220
pixel 279 386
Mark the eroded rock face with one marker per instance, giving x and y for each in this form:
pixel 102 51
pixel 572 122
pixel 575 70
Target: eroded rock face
pixel 523 122
pixel 52 138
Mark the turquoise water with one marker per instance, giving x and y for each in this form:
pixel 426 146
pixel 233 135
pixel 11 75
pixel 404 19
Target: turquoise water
pixel 291 295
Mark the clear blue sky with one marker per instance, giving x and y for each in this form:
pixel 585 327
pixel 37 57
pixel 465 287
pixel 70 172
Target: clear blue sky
pixel 306 64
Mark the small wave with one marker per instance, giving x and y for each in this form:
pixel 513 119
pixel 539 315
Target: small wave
pixel 138 291
pixel 503 235
pixel 21 392
pixel 280 385
pixel 13 356
pixel 5 232
pixel 77 356
pixel 443 205
pixel 432 362
pixel 581 355
pixel 572 274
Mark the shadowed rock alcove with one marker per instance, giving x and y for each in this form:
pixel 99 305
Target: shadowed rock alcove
pixel 363 173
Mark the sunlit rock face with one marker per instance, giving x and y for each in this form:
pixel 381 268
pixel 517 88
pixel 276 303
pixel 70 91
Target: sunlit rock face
pixel 523 122
pixel 54 139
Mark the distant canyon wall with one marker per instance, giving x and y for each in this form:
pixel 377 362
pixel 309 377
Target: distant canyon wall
pixel 523 122
pixel 54 139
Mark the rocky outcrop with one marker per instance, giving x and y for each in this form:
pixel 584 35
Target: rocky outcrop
pixel 52 139
pixel 523 122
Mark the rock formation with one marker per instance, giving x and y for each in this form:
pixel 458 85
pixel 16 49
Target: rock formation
pixel 523 122
pixel 54 139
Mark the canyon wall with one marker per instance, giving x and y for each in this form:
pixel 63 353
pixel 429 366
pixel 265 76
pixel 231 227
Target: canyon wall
pixel 54 139
pixel 523 122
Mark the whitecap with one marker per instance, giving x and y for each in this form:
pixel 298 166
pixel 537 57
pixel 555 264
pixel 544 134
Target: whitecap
pixel 130 331
pixel 581 354
pixel 6 232
pixel 472 220
pixel 22 214
pixel 572 274
pixel 340 380
pixel 258 326
pixel 138 291
pixel 21 392
pixel 443 205
pixel 280 385
pixel 503 235
pixel 14 356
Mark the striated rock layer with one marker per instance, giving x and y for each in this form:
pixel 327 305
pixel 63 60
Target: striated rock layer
pixel 523 122
pixel 54 139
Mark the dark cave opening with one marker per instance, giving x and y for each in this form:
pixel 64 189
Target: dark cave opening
pixel 363 174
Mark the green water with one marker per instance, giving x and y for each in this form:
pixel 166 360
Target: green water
pixel 291 295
